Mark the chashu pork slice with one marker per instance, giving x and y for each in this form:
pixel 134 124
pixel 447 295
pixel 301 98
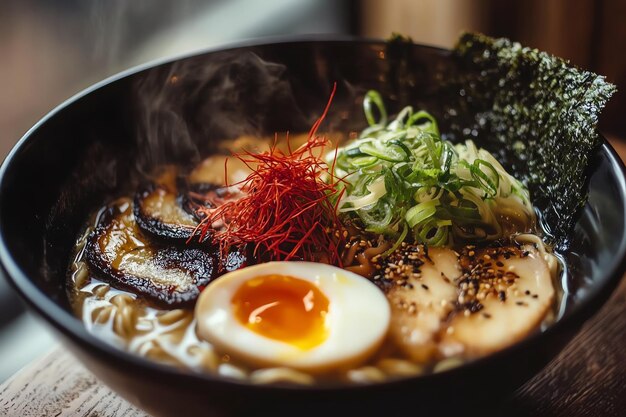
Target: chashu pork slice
pixel 170 209
pixel 421 291
pixel 504 294
pixel 159 211
pixel 162 273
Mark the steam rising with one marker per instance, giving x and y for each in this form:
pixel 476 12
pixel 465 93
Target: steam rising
pixel 185 107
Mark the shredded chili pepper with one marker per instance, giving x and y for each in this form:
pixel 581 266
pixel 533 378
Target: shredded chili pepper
pixel 287 209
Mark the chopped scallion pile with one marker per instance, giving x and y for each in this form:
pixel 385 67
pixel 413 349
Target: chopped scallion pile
pixel 404 181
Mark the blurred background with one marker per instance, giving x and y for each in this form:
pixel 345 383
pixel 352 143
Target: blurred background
pixel 52 49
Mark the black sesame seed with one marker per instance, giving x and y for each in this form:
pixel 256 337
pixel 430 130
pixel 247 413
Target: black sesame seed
pixel 474 306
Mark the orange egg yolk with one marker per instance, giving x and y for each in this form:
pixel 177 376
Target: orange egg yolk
pixel 283 308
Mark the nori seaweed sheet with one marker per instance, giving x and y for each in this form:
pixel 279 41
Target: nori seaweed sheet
pixel 535 112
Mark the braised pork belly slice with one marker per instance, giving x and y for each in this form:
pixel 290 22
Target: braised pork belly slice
pixel 201 198
pixel 159 211
pixel 170 208
pixel 164 274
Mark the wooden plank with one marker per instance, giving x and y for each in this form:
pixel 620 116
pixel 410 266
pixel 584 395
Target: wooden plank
pixel 58 385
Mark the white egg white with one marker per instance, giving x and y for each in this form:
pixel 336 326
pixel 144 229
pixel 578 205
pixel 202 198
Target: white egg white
pixel 357 320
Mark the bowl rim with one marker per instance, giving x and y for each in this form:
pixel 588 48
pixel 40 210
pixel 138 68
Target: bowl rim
pixel 70 326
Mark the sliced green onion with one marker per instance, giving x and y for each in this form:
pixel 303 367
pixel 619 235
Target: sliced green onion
pixel 465 209
pixel 374 191
pixel 432 234
pixel 421 212
pixel 434 151
pixel 422 115
pixel 370 131
pixel 489 181
pixel 401 145
pixel 404 177
pixel 373 98
pixel 364 161
pixel 407 113
pixel 352 152
pixel 388 152
pixel 376 224
pixel 398 242
pixel 446 157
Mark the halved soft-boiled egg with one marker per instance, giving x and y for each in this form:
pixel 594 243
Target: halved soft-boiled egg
pixel 305 315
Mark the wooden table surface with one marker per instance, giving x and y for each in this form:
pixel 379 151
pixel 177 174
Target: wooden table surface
pixel 588 378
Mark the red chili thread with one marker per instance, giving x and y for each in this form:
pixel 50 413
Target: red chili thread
pixel 286 211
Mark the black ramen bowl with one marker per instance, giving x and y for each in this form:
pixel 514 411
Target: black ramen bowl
pixel 98 144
